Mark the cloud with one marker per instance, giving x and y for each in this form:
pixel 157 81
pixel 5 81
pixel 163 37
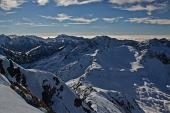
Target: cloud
pixel 139 5
pixel 60 17
pixel 42 2
pixel 28 22
pixel 147 8
pixel 121 2
pixel 33 24
pixel 10 4
pixel 9 13
pixel 74 20
pixel 72 2
pixel 111 20
pixel 149 20
pixel 6 21
pixel 83 20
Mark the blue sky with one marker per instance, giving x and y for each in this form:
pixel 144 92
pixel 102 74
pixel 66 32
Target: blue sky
pixel 85 17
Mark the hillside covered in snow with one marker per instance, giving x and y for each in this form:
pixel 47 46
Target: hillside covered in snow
pixel 102 74
pixel 11 102
pixel 40 89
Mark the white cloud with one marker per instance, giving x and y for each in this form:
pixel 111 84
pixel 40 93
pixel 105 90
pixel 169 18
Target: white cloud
pixel 83 20
pixel 74 20
pixel 10 4
pixel 147 8
pixel 139 5
pixel 60 17
pixel 121 2
pixel 33 24
pixel 111 20
pixel 42 2
pixel 27 22
pixel 9 13
pixel 148 20
pixel 72 2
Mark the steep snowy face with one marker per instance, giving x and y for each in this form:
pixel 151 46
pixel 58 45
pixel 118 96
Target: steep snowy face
pixel 42 89
pixel 11 102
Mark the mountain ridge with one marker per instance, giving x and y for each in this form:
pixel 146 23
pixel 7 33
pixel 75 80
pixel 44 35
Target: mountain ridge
pixel 107 74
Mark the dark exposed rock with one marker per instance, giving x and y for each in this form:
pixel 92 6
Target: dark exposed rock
pixel 56 80
pixel 61 88
pixel 2 71
pixel 10 69
pixel 77 102
pixel 15 72
pixel 23 81
pixel 48 93
pixel 160 56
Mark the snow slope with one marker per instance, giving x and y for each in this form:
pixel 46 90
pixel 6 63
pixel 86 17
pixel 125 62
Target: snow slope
pixel 11 102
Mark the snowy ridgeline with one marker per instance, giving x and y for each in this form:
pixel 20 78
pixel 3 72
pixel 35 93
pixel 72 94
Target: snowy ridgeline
pixel 105 75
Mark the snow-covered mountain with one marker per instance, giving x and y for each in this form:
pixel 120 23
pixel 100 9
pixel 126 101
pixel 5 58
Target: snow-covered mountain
pixel 107 74
pixel 40 89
